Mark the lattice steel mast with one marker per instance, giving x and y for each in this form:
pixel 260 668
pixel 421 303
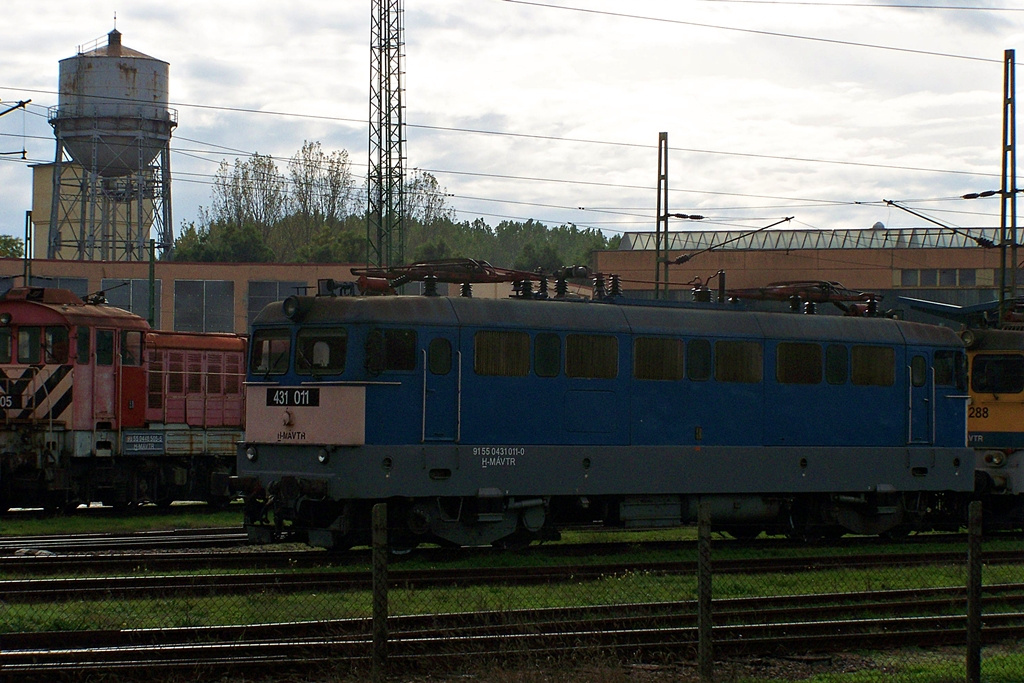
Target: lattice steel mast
pixel 385 225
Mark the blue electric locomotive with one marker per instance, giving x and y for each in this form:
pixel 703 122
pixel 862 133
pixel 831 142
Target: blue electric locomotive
pixel 499 421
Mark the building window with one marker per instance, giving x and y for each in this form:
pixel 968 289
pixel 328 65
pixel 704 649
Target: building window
pixel 79 286
pixel 967 277
pixel 929 277
pixel 133 295
pixel 262 293
pixel 908 278
pixel 204 306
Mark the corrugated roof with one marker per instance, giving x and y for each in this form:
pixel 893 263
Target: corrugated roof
pixel 787 240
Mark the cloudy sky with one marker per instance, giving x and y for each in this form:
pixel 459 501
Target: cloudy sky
pixel 551 109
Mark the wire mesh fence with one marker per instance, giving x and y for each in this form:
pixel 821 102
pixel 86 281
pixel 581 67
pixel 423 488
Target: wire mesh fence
pixel 699 608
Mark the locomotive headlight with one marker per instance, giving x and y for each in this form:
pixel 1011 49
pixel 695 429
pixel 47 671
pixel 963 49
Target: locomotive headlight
pixel 250 454
pixel 995 458
pixel 323 456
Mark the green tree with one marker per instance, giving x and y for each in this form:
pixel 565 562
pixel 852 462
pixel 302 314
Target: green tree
pixel 222 242
pixel 11 247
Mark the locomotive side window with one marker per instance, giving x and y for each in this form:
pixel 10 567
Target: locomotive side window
pixel 390 350
pixel 547 354
pixel 698 360
pixel 501 354
pixel 837 364
pixel 918 371
pixel 998 374
pixel 950 369
pixel 104 347
pixel 131 347
pixel 439 356
pixel 658 358
pixel 738 361
pixel 5 345
pixel 28 344
pixel 591 356
pixel 798 363
pixel 82 346
pixel 319 350
pixel 873 366
pixel 270 349
pixel 55 344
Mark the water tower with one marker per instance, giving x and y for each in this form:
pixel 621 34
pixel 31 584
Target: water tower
pixel 112 174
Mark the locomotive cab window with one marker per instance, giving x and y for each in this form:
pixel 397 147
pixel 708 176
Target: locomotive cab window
pixel 270 350
pixel 998 374
pixel 591 356
pixel 501 354
pixel 658 358
pixel 320 350
pixel 798 363
pixel 28 344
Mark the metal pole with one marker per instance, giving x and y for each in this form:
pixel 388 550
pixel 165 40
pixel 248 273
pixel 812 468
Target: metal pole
pixel 705 652
pixel 380 590
pixel 661 226
pixel 1008 213
pixel 974 593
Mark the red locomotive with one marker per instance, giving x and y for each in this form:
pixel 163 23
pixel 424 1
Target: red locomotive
pixel 95 406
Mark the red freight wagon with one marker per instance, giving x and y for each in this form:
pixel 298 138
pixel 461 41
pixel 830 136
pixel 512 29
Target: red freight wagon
pixel 97 407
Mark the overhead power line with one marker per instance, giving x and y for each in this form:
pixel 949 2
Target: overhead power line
pixel 760 32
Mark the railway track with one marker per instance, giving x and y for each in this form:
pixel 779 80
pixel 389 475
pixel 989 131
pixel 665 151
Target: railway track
pixel 213 537
pixel 795 624
pixel 301 576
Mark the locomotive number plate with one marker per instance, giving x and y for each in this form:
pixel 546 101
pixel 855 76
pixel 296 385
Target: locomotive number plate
pixel 10 401
pixel 293 397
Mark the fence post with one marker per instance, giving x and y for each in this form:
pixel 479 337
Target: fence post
pixel 705 656
pixel 380 590
pixel 974 593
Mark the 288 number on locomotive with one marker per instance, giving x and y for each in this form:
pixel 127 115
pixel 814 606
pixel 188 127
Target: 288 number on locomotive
pixel 980 412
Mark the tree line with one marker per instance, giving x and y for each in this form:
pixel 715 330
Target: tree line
pixel 314 211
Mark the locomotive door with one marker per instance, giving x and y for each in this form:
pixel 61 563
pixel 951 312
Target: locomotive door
pixel 104 385
pixel 922 400
pixel 442 374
